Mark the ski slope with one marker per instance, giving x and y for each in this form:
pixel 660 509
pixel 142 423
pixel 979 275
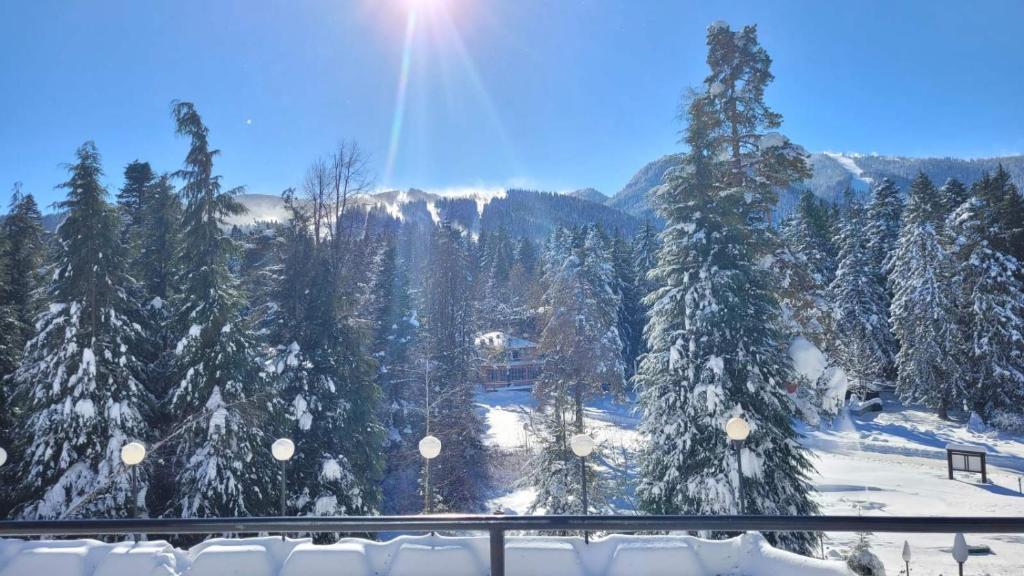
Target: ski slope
pixel 891 463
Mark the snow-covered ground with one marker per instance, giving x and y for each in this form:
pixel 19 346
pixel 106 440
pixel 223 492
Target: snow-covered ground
pixel 749 555
pixel 891 463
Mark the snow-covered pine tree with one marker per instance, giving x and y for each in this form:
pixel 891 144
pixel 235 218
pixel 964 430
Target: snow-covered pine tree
pixel 1001 192
pixel 630 309
pixel 524 289
pixel 884 216
pixel 23 253
pixel 645 257
pixel 582 357
pixel 714 348
pixel 924 308
pixel 395 326
pixel 805 267
pixel 325 379
pixel 138 177
pixel 458 476
pixel 859 304
pixel 951 195
pixel 992 310
pixel 156 263
pixel 78 378
pixel 225 412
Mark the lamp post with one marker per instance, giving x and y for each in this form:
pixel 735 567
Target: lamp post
pixel 960 551
pixel 582 446
pixel 429 447
pixel 737 430
pixel 132 454
pixel 283 449
pixel 906 555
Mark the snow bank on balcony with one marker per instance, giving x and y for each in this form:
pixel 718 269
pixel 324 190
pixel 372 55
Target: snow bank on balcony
pixel 747 555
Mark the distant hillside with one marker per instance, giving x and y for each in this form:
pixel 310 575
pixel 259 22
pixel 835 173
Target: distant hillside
pixel 632 199
pixel 833 174
pixel 527 213
pixel 591 194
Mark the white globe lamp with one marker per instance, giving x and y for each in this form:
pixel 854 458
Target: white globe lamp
pixel 283 449
pixel 582 445
pixel 430 447
pixel 737 429
pixel 133 453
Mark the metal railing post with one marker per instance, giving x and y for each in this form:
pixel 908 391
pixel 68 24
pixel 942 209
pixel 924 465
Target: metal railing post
pixel 497 552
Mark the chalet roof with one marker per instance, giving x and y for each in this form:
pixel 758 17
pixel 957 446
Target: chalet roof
pixel 502 340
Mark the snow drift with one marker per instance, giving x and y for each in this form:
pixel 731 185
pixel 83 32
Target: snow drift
pixel 747 555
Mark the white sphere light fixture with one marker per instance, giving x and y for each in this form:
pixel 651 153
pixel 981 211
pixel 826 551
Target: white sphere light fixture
pixel 3 456
pixel 133 453
pixel 283 449
pixel 430 447
pixel 582 445
pixel 737 429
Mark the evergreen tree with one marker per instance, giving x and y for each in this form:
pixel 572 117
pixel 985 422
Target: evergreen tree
pixel 645 257
pixel 23 255
pixel 138 177
pixel 630 310
pixel 582 354
pixel 325 379
pixel 992 316
pixel 859 305
pixel 999 191
pixel 395 325
pixel 156 265
pixel 805 267
pixel 458 476
pixel 714 348
pixel 952 194
pixel 884 215
pixel 923 307
pixel 225 416
pixel 83 400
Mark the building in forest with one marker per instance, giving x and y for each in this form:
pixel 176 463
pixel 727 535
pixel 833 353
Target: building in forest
pixel 508 361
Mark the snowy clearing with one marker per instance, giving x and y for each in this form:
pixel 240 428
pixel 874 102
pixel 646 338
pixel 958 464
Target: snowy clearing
pixel 892 463
pixel 749 555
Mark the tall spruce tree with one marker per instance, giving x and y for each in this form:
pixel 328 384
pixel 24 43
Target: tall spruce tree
pixel 630 310
pixel 458 477
pixel 21 257
pixel 395 329
pixel 138 177
pixel 923 308
pixel 805 267
pixel 859 305
pixel 992 308
pixel 582 353
pixel 714 347
pixel 884 215
pixel 326 380
pixel 225 413
pixel 79 376
pixel 23 254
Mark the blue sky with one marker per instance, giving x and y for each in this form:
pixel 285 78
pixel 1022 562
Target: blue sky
pixel 550 94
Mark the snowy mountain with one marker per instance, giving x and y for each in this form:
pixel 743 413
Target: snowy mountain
pixel 833 174
pixel 590 194
pixel 632 199
pixel 527 213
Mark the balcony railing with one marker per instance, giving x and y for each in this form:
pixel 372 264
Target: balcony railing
pixel 497 525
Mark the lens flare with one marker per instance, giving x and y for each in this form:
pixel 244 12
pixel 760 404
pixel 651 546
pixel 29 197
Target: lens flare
pixel 403 85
